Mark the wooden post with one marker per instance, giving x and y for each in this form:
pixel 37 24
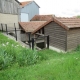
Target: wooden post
pixel 15 33
pixel 48 41
pixel 2 26
pixel 29 39
pixel 6 29
pixel 32 43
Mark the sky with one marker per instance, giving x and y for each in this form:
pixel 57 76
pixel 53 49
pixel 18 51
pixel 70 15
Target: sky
pixel 60 8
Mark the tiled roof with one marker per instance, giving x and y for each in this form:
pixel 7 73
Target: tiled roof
pixel 66 23
pixel 25 3
pixel 28 2
pixel 31 26
pixel 42 17
pixel 69 22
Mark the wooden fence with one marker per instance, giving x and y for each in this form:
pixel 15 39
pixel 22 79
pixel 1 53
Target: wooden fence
pixel 9 29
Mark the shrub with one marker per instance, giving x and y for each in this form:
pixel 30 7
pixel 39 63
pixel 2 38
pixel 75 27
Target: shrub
pixel 28 57
pixel 78 48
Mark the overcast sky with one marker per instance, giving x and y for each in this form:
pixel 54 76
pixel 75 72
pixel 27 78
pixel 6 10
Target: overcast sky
pixel 62 8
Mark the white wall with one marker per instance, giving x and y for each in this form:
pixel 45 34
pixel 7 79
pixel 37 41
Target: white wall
pixel 24 17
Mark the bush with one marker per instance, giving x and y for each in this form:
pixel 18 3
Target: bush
pixel 11 52
pixel 24 57
pixel 28 57
pixel 78 48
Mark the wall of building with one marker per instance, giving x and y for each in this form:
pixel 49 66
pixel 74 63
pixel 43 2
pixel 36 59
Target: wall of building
pixel 57 35
pixel 9 14
pixel 8 18
pixel 73 39
pixel 9 6
pixel 31 9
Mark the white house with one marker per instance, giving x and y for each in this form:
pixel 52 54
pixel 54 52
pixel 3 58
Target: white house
pixel 29 10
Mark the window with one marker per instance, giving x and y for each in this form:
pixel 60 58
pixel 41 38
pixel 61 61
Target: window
pixel 43 30
pixel 22 31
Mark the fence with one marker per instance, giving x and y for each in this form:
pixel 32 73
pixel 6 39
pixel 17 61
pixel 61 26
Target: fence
pixel 13 30
pixel 9 29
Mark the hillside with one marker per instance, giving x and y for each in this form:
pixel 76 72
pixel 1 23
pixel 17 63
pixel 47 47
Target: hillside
pixel 50 65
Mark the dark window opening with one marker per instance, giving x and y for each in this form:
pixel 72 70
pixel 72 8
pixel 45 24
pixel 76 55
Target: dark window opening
pixel 22 31
pixel 41 45
pixel 43 30
pixel 39 31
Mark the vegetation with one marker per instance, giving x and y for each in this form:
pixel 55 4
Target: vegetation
pixel 43 65
pixel 78 16
pixel 12 52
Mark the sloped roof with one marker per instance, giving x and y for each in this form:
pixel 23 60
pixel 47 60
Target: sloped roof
pixel 70 22
pixel 66 23
pixel 27 2
pixel 42 17
pixel 31 26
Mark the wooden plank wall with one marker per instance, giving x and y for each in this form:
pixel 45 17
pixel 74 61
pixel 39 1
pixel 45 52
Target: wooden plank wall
pixel 73 39
pixel 9 6
pixel 57 35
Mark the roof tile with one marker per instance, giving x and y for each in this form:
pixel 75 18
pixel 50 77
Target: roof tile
pixel 69 22
pixel 42 17
pixel 31 26
pixel 25 3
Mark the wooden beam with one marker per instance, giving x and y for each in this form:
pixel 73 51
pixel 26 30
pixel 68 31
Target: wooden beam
pixel 6 29
pixel 32 43
pixel 48 41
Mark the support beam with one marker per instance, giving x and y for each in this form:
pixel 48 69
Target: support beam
pixel 29 34
pixel 48 41
pixel 2 26
pixel 15 32
pixel 32 43
pixel 6 29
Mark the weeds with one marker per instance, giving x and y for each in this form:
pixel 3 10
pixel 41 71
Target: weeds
pixel 12 52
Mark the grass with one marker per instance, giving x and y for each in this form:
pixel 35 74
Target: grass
pixel 54 66
pixel 12 52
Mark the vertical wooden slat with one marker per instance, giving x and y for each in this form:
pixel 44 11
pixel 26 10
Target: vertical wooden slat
pixel 66 42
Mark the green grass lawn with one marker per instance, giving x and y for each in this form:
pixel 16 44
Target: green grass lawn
pixel 53 66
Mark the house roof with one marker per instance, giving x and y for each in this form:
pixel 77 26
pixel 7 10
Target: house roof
pixel 26 3
pixel 31 26
pixel 42 17
pixel 70 22
pixel 66 23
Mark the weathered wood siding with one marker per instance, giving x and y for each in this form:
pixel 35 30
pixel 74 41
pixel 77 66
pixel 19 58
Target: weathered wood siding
pixel 9 6
pixel 73 39
pixel 57 35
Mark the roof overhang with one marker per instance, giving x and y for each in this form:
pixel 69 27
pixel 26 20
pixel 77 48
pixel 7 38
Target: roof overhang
pixel 51 20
